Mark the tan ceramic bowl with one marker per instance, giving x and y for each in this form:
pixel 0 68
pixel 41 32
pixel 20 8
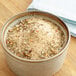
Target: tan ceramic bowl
pixel 45 67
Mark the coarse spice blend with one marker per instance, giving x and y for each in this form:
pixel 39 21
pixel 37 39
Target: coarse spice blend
pixel 35 38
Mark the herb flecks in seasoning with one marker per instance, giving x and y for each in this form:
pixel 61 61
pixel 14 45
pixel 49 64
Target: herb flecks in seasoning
pixel 35 38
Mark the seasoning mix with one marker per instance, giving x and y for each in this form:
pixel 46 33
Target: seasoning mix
pixel 35 38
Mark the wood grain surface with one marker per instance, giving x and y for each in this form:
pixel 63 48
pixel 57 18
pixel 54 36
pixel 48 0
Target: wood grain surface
pixel 9 8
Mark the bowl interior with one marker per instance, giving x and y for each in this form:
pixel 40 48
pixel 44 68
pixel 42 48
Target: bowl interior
pixel 14 20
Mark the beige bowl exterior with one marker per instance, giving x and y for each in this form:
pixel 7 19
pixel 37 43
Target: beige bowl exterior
pixel 46 67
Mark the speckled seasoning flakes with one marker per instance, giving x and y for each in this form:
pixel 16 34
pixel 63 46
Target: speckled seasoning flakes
pixel 35 38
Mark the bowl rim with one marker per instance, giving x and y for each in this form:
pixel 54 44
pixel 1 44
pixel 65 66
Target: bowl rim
pixel 28 60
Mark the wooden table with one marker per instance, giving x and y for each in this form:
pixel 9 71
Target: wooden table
pixel 9 8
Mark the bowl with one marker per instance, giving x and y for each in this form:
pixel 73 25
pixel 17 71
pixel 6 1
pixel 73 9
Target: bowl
pixel 43 67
